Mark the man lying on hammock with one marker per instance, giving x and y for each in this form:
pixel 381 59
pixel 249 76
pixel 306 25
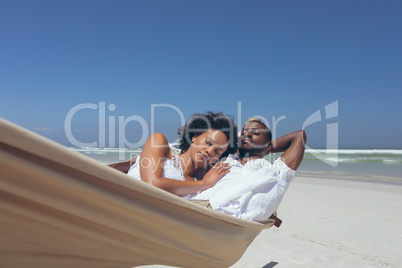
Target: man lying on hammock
pixel 254 188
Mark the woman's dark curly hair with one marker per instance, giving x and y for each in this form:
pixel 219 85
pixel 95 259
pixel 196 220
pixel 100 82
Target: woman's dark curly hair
pixel 200 123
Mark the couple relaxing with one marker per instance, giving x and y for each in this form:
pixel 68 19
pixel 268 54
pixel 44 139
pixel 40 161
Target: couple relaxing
pixel 210 166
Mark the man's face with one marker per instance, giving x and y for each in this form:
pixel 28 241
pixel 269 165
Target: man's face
pixel 254 139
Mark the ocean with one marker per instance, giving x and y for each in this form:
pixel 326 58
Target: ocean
pixel 373 165
pixel 376 165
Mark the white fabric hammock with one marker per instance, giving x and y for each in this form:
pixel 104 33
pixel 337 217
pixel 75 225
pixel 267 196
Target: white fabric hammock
pixel 59 208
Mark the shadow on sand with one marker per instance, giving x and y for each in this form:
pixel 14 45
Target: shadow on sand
pixel 270 265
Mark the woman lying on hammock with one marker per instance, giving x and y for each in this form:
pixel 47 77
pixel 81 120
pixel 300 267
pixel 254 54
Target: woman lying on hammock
pixel 205 138
pixel 254 188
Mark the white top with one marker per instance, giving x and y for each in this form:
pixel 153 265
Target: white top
pixel 172 169
pixel 253 191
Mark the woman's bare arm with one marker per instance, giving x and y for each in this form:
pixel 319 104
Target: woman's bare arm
pixel 154 152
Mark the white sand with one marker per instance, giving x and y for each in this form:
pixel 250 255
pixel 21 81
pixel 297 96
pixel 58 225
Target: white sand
pixel 332 223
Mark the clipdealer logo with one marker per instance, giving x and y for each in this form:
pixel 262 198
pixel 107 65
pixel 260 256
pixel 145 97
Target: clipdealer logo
pixel 331 111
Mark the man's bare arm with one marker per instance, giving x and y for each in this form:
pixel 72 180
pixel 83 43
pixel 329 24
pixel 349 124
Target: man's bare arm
pixel 292 145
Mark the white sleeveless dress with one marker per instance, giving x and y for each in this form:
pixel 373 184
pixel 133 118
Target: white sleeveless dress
pixel 172 169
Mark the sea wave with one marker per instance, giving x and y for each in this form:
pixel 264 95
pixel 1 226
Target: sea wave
pixel 311 151
pixel 354 159
pixel 97 150
pixel 392 161
pixel 356 151
pixel 384 156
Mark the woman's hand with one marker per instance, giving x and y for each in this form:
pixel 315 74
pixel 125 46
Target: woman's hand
pixel 216 173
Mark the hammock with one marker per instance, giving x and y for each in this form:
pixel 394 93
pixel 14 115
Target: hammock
pixel 59 208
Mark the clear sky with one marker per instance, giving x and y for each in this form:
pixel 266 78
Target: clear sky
pixel 245 58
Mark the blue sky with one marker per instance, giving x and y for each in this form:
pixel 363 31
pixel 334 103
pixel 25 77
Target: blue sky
pixel 271 58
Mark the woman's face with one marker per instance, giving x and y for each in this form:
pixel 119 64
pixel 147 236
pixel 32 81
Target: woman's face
pixel 208 147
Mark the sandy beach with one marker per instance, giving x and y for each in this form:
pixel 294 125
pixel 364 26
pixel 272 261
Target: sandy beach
pixel 332 223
